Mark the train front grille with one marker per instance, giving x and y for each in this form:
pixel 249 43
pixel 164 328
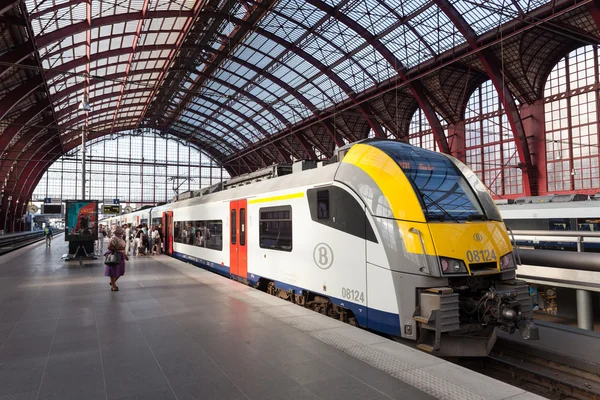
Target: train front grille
pixel 482 268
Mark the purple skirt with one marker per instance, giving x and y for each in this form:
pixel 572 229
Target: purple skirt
pixel 114 271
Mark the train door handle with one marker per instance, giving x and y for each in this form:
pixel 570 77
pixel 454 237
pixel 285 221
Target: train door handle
pixel 418 233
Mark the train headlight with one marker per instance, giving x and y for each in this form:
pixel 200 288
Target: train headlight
pixel 507 262
pixel 452 266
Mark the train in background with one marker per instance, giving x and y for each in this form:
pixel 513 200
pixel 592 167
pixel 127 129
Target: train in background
pixel 386 236
pixel 559 213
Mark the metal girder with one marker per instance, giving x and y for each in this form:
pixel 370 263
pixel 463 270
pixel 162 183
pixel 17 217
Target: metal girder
pixel 12 98
pixel 334 133
pixel 16 151
pixel 6 5
pixel 79 27
pixel 77 87
pixel 90 115
pixel 31 176
pixel 415 88
pixel 235 37
pixel 306 146
pixel 109 53
pixel 257 100
pixel 27 166
pixel 287 157
pixel 284 85
pixel 594 8
pixel 138 30
pixel 198 8
pixel 220 139
pixel 21 122
pixel 504 95
pixel 540 15
pixel 243 140
pixel 98 100
pixel 15 56
pixel 236 112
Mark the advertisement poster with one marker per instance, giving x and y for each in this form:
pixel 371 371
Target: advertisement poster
pixel 81 220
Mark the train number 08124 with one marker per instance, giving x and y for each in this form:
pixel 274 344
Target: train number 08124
pixel 476 256
pixel 354 295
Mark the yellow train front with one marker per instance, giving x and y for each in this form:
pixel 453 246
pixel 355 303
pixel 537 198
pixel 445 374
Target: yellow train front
pixel 450 262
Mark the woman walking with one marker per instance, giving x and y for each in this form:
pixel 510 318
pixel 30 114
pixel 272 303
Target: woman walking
pixel 116 245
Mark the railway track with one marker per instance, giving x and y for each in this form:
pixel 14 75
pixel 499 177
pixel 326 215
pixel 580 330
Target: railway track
pixel 542 372
pixel 13 242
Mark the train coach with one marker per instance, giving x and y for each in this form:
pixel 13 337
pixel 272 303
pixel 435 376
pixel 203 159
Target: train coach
pixel 387 236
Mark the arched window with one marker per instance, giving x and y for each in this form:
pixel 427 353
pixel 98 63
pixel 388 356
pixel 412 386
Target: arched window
pixel 420 133
pixel 489 142
pixel 571 117
pixel 134 169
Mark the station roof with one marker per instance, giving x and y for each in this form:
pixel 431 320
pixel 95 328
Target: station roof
pixel 258 82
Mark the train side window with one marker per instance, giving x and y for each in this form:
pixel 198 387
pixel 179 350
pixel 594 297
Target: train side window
pixel 233 226
pixel 242 226
pixel 559 224
pixel 275 224
pixel 323 204
pixel 588 224
pixel 208 233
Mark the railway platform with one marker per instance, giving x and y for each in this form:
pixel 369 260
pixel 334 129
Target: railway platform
pixel 174 331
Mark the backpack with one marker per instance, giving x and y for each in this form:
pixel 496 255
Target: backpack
pixel 47 231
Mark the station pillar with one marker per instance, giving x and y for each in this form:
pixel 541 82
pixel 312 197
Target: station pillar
pixel 456 140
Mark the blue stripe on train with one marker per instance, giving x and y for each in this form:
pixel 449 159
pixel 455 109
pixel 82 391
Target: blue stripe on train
pixel 377 320
pixel 200 262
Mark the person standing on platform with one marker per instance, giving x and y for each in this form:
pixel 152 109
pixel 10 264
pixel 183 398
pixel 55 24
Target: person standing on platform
pixel 101 236
pixel 127 238
pixel 116 245
pixel 138 243
pixel 150 233
pixel 155 241
pixel 48 235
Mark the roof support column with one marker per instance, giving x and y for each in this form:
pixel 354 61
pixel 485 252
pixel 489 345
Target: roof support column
pixel 456 140
pixel 487 59
pixel 532 116
pixel 594 7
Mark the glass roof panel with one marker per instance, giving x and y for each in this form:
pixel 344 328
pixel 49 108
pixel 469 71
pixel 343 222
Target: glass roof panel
pixel 406 46
pixel 301 11
pixel 341 35
pixel 353 75
pixel 322 50
pixel 486 16
pixel 371 15
pixel 406 7
pixel 373 62
pixel 437 30
pixel 282 27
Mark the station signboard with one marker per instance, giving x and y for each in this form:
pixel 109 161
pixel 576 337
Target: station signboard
pixel 112 209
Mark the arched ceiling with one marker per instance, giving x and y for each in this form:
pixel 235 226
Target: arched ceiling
pixel 257 82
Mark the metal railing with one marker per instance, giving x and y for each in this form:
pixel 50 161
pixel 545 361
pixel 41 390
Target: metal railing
pixel 570 260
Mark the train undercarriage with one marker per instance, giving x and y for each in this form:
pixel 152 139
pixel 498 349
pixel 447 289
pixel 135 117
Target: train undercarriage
pixel 455 321
pixel 461 320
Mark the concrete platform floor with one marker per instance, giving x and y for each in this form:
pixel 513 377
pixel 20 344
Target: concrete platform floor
pixel 175 331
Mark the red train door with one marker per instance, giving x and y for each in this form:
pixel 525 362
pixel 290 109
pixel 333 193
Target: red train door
pixel 238 249
pixel 168 232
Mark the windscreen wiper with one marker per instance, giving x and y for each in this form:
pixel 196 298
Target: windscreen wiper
pixel 435 203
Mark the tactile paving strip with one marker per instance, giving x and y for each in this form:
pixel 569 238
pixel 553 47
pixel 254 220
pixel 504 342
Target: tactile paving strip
pixel 405 372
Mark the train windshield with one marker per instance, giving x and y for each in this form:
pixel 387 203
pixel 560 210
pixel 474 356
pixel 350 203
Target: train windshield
pixel 444 192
